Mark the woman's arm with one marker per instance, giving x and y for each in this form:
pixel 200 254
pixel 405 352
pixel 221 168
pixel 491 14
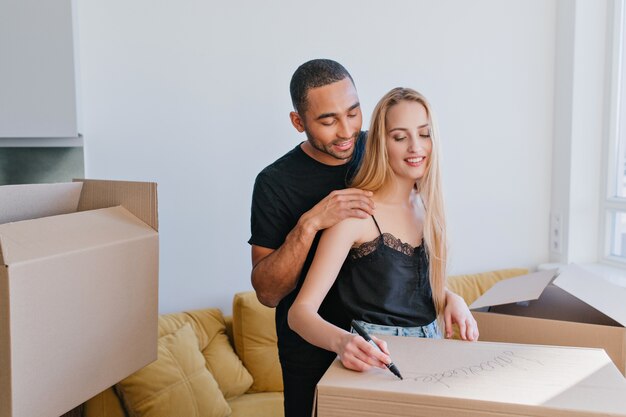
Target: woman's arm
pixel 456 311
pixel 354 352
pixel 275 272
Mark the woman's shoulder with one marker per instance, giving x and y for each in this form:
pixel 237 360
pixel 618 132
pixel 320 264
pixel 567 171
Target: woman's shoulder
pixel 357 222
pixel 358 229
pixel 351 223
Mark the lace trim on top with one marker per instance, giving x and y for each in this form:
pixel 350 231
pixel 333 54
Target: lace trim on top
pixel 389 240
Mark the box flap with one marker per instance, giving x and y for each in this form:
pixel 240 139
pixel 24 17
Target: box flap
pixel 522 288
pixel 140 198
pixel 602 295
pixel 31 201
pixel 50 236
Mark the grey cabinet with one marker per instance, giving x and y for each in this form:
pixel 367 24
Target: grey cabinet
pixel 37 69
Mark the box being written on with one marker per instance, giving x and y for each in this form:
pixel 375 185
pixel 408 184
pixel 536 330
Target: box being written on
pixel 451 378
pixel 570 308
pixel 78 291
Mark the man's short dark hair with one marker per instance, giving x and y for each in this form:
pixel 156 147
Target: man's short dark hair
pixel 313 74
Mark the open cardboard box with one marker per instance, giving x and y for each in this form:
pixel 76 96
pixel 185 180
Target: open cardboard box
pixel 451 378
pixel 572 307
pixel 78 291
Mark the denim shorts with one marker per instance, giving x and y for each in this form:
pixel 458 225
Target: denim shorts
pixel 430 331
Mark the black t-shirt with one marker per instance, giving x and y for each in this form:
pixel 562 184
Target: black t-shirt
pixel 284 191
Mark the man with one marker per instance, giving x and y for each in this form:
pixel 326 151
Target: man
pixel 298 196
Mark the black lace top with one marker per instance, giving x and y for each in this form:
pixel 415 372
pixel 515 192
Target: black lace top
pixel 385 281
pixel 389 240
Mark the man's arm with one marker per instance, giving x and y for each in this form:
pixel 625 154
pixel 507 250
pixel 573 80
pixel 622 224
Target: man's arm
pixel 275 272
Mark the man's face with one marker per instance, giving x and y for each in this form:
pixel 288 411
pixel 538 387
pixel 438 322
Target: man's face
pixel 332 122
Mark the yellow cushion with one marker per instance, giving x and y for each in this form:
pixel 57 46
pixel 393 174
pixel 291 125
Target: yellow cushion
pixel 176 384
pixel 254 333
pixel 221 360
pixel 472 286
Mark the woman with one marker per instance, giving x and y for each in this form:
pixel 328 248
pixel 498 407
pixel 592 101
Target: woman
pixel 393 278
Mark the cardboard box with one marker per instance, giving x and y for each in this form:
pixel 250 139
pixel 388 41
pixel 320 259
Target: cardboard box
pixel 78 291
pixel 452 378
pixel 570 308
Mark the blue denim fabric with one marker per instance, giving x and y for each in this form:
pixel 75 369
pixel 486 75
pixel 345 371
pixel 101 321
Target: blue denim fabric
pixel 430 331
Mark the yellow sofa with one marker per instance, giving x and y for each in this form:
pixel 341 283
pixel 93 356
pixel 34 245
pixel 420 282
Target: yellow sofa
pixel 211 365
pixel 240 374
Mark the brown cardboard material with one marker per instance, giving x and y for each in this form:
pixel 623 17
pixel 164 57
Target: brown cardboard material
pixel 577 309
pixel 140 198
pixel 31 201
pixel 454 378
pixel 517 329
pixel 78 298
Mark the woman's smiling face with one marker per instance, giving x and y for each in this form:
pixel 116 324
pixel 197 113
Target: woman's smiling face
pixel 408 139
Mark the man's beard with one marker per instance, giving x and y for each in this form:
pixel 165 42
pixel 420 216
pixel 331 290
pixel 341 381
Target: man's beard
pixel 328 149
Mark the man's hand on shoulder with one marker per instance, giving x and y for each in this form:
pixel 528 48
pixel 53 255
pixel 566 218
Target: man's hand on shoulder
pixel 276 272
pixel 337 206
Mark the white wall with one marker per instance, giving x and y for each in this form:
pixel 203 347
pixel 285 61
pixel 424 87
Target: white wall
pixel 194 95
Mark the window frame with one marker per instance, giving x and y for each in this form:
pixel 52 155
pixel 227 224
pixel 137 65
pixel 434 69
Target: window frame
pixel 616 99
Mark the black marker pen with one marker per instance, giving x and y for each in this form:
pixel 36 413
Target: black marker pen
pixel 361 331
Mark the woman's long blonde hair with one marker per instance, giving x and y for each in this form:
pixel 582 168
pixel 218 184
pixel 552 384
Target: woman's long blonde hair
pixel 375 172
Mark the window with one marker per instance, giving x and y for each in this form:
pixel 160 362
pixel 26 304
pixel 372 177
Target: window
pixel 615 201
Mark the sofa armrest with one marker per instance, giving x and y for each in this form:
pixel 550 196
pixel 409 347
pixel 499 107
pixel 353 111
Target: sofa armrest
pixel 254 332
